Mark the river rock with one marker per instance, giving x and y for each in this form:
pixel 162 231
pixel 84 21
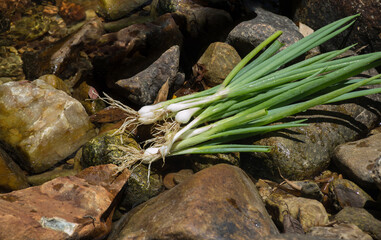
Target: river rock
pixel 76 207
pixel 12 177
pixel 10 65
pixel 376 173
pixel 317 14
pixel 309 212
pixel 339 231
pixel 300 153
pixel 362 219
pixel 217 62
pixel 220 202
pixel 292 236
pixel 114 9
pixel 143 88
pixel 357 159
pixel 346 193
pixel 55 82
pixel 249 34
pixel 141 186
pixel 42 124
pixel 104 148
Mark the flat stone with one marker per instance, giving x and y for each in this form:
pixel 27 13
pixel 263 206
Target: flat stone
pixel 357 159
pixel 76 207
pixel 339 231
pixel 40 124
pixel 220 202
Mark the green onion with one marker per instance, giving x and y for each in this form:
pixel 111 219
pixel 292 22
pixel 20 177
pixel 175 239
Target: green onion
pixel 254 95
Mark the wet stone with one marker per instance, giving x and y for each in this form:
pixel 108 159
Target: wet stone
pixel 220 202
pixel 10 65
pixel 362 219
pixel 12 177
pixel 340 231
pixel 114 9
pixel 356 159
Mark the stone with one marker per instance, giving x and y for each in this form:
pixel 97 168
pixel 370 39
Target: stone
pixel 217 61
pixel 220 202
pixel 40 124
pixel 317 14
pixel 357 159
pixel 309 212
pixel 114 9
pixel 291 236
pixel 89 98
pixel 60 171
pixel 202 161
pixel 376 173
pixel 362 219
pixel 339 231
pixel 104 149
pixel 55 82
pixel 12 177
pixel 303 152
pixel 141 187
pixel 143 88
pixel 10 65
pixel 347 194
pixel 249 34
pixel 76 207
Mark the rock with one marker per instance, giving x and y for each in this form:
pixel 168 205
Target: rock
pixel 309 212
pixel 42 124
pixel 143 88
pixel 174 178
pixel 217 61
pixel 136 18
pixel 89 98
pixel 55 82
pixel 104 148
pixel 10 65
pixel 114 9
pixel 202 161
pixel 122 55
pixel 347 194
pixel 376 173
pixel 60 171
pixel 71 12
pixel 220 202
pixel 291 236
pixel 339 231
pixel 362 219
pixel 317 14
pixel 12 177
pixel 141 187
pixel 306 151
pixel 357 159
pixel 29 28
pixel 76 207
pixel 249 34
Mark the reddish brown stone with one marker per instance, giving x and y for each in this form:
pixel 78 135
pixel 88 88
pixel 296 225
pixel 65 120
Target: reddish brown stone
pixel 74 207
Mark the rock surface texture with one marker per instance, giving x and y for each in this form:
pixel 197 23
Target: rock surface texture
pixel 220 202
pixel 77 207
pixel 45 125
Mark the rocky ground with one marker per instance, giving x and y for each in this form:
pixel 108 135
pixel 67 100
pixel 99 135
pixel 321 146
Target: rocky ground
pixel 58 137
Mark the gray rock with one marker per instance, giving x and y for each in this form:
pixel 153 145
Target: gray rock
pixel 144 86
pixel 42 124
pixel 362 219
pixel 249 34
pixel 220 202
pixel 357 159
pixel 317 14
pixel 376 173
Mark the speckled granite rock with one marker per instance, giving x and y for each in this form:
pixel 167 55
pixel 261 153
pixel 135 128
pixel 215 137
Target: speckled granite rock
pixel 41 124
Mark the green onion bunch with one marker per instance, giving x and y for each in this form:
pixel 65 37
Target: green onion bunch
pixel 254 95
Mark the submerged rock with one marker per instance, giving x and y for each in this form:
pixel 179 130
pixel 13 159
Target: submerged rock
pixel 376 173
pixel 357 159
pixel 12 177
pixel 220 202
pixel 249 34
pixel 42 124
pixel 217 62
pixel 339 231
pixel 10 65
pixel 362 219
pixel 77 207
pixel 114 9
pixel 143 88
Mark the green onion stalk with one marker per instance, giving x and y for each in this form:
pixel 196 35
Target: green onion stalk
pixel 259 91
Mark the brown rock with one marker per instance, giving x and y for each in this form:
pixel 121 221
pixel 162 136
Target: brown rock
pixel 340 231
pixel 12 177
pixel 76 207
pixel 357 159
pixel 217 62
pixel 220 202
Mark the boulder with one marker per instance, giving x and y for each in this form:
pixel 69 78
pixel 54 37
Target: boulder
pixel 12 177
pixel 40 124
pixel 220 202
